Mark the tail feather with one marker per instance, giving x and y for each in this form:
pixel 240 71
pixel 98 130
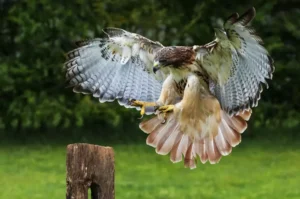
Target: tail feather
pixel 236 122
pixel 174 157
pixel 232 136
pixel 165 145
pixel 222 144
pixel 149 125
pixel 156 130
pixel 200 150
pixel 213 153
pixel 189 160
pixel 168 138
pixel 181 149
pixel 246 114
pixel 164 136
pixel 163 132
pixel 152 135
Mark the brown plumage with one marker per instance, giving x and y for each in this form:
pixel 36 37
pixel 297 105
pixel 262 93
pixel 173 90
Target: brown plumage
pixel 176 56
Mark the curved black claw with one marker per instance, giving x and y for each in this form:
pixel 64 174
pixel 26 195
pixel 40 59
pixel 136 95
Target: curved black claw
pixel 131 101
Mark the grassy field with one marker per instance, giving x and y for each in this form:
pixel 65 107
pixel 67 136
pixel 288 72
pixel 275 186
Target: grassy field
pixel 255 169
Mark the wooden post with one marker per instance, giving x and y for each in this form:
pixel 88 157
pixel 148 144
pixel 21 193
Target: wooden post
pixel 90 166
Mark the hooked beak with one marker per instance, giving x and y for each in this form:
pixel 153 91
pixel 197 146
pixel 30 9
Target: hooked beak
pixel 156 66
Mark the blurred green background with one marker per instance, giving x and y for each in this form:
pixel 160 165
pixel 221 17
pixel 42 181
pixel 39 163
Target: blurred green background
pixel 39 116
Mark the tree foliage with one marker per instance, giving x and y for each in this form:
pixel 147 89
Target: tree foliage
pixel 35 35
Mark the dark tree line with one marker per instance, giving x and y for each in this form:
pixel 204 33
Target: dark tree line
pixel 35 35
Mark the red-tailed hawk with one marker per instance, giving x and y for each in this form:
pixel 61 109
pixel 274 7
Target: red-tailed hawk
pixel 202 95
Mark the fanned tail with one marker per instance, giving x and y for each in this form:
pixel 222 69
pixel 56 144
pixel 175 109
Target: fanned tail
pixel 168 138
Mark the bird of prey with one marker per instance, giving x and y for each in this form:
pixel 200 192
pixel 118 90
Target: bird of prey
pixel 201 96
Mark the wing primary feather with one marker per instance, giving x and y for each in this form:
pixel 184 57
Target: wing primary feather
pixel 247 17
pixel 231 19
pixel 241 53
pixel 118 66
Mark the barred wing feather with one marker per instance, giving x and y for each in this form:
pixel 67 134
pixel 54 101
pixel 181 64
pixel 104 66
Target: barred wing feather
pixel 117 67
pixel 237 64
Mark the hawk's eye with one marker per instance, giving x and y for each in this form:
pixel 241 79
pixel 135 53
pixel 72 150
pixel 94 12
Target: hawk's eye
pixel 163 62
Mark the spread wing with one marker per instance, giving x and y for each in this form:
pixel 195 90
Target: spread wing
pixel 237 64
pixel 116 67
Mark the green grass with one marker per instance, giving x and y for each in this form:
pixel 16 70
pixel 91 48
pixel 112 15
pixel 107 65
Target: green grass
pixel 255 169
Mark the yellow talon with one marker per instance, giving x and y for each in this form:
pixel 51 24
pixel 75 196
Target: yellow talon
pixel 165 109
pixel 142 104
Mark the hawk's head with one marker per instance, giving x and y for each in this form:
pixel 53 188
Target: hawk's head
pixel 173 57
